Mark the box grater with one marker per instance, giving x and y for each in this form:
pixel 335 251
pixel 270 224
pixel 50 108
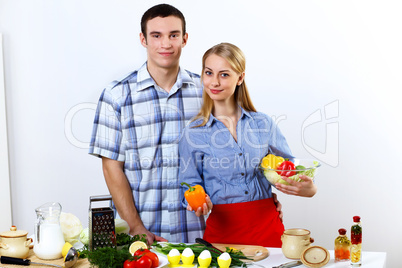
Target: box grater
pixel 101 224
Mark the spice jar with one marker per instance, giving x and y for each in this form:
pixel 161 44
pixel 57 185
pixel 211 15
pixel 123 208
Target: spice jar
pixel 342 247
pixel 14 243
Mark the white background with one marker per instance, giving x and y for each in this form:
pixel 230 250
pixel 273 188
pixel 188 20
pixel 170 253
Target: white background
pixel 5 198
pixel 303 57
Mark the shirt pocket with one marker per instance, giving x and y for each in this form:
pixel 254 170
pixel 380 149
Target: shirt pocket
pixel 227 164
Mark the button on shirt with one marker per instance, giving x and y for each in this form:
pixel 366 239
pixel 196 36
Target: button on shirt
pixel 140 124
pixel 228 170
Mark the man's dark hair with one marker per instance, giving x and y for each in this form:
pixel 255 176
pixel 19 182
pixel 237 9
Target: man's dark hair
pixel 162 10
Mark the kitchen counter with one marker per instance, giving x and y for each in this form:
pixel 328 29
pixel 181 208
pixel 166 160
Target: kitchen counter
pixel 370 260
pixel 275 258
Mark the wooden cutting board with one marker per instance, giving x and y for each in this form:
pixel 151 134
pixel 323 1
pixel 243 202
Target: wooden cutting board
pixel 257 253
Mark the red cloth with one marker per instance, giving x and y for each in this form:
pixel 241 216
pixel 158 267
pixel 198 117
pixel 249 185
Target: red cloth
pixel 248 223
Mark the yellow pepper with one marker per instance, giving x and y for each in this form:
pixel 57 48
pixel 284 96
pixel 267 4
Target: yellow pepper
pixel 271 161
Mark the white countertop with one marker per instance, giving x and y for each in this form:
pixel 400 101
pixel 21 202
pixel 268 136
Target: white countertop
pixel 369 260
pixel 275 258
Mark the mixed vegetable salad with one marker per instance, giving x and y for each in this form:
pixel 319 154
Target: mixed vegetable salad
pixel 274 167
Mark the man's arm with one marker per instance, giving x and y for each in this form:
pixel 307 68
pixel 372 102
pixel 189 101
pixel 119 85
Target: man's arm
pixel 122 195
pixel 278 205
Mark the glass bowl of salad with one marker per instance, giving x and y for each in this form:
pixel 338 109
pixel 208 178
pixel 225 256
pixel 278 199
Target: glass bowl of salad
pixel 274 167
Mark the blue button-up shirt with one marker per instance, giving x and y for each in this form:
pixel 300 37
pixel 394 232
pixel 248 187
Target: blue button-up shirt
pixel 228 170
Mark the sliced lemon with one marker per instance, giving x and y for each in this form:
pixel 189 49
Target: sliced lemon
pixel 65 249
pixel 136 246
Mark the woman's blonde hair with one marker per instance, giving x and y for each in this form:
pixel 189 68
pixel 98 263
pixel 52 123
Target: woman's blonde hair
pixel 237 61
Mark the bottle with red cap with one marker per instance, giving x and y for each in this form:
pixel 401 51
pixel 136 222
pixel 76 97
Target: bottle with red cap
pixel 356 239
pixel 342 247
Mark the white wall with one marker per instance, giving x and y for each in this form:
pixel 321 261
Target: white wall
pixel 340 60
pixel 5 198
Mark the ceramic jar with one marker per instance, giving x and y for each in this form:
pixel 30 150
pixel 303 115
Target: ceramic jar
pixel 14 243
pixel 294 242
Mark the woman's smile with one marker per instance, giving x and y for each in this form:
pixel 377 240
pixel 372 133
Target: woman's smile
pixel 216 91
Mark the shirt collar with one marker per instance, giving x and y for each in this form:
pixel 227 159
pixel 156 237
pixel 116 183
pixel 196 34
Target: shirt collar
pixel 212 118
pixel 144 79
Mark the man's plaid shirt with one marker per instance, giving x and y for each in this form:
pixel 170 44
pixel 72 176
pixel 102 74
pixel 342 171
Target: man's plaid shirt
pixel 140 124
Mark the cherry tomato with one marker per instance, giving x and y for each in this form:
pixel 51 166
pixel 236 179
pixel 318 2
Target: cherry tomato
pixel 143 262
pixel 129 264
pixel 154 258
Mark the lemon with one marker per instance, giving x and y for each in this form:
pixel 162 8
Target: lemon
pixel 65 249
pixel 136 246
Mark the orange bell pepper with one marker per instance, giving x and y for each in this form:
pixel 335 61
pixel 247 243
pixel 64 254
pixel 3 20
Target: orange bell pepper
pixel 195 196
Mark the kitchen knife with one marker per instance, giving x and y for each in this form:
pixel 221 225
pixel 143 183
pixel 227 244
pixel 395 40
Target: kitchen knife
pixel 289 264
pixel 205 243
pixel 24 262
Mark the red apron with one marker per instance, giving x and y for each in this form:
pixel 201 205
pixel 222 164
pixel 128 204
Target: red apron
pixel 248 223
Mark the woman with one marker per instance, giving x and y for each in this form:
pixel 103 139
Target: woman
pixel 221 150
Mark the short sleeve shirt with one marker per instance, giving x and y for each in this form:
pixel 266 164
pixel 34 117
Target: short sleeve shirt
pixel 140 124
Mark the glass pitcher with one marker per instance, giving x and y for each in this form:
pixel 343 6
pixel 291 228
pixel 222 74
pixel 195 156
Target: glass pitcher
pixel 49 239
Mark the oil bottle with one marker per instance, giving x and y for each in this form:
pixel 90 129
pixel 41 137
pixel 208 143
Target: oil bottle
pixel 356 239
pixel 342 247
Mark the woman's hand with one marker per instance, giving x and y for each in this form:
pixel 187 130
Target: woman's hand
pixel 305 188
pixel 206 208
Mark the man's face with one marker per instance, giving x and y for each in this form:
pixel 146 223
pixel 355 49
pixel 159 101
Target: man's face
pixel 164 41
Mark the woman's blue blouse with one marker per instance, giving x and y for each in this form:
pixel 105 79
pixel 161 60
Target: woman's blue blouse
pixel 229 170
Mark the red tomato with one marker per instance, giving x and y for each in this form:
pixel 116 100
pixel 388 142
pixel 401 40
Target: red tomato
pixel 129 264
pixel 141 252
pixel 154 258
pixel 143 262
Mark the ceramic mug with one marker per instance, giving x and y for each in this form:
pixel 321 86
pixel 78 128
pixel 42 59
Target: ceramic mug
pixel 294 242
pixel 15 243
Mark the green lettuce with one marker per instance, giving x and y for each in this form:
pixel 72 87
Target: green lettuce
pixel 121 226
pixel 84 236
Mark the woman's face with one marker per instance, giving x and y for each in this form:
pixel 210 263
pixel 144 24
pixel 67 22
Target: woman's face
pixel 219 79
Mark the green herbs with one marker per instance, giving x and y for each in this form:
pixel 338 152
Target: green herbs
pixel 236 255
pixel 234 251
pixel 111 257
pixel 108 257
pixel 126 239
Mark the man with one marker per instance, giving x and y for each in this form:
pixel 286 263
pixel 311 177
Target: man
pixel 136 131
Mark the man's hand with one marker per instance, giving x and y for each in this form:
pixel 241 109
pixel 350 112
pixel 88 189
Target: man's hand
pixel 205 209
pixel 305 188
pixel 151 237
pixel 278 206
